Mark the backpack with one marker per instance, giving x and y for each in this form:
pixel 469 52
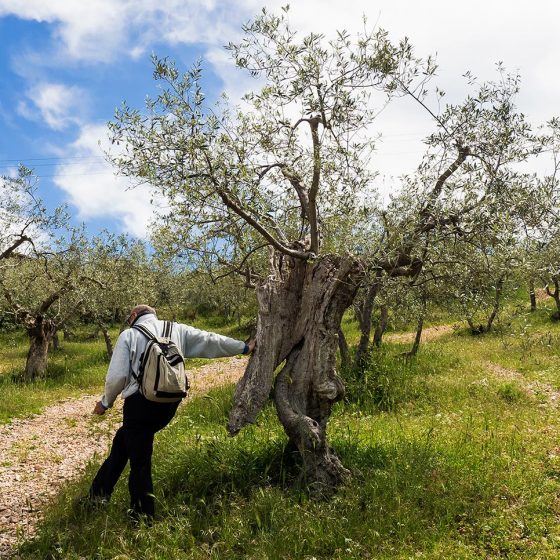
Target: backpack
pixel 162 376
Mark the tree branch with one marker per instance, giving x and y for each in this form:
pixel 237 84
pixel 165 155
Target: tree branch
pixel 312 209
pixel 299 187
pixel 240 211
pixel 464 151
pixel 7 252
pixel 18 310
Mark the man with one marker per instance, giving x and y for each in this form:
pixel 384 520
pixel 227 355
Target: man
pixel 143 418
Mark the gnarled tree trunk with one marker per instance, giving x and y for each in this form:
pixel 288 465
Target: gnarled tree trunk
pixel 300 311
pixel 40 335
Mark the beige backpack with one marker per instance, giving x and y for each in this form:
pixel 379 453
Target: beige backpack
pixel 162 376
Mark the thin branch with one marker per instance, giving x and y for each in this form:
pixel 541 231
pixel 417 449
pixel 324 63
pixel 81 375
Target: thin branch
pixel 235 207
pixel 407 90
pixel 238 269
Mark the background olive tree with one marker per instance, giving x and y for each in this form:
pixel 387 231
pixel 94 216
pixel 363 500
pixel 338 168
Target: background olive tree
pixel 26 224
pixel 125 277
pixel 45 291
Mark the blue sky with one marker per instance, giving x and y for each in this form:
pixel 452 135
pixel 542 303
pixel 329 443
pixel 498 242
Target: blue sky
pixel 53 109
pixel 66 65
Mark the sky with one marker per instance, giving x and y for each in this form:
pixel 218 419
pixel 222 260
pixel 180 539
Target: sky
pixel 67 64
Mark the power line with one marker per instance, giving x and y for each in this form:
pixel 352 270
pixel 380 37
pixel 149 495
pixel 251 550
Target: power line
pixel 76 175
pixel 99 170
pixel 57 158
pixel 66 164
pixel 379 155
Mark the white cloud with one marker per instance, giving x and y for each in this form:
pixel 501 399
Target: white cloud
pixel 523 35
pixel 102 30
pixel 92 187
pixel 520 34
pixel 24 109
pixel 88 30
pixel 234 82
pixel 58 105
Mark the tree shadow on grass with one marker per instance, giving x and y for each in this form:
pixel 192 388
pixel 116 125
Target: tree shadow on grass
pixel 397 494
pixel 400 494
pixel 405 494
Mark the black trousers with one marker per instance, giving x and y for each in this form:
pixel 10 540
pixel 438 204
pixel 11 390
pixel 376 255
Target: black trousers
pixel 134 442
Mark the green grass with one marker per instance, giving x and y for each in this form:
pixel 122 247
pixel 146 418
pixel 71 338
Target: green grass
pixel 446 484
pixel 453 455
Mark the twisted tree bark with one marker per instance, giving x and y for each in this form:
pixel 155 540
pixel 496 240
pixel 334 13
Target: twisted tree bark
pixel 300 310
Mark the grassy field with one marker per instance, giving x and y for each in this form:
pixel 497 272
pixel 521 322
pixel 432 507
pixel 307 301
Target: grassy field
pixel 453 455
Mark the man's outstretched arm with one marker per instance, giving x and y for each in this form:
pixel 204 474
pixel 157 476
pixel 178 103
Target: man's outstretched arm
pixel 203 344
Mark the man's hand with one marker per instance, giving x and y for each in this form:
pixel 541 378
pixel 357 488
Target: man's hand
pixel 99 409
pixel 251 343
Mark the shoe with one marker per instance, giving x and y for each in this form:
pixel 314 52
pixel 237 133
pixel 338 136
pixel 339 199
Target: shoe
pixel 90 502
pixel 137 519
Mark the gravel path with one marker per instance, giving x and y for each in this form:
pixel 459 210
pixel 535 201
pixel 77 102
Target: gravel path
pixel 430 333
pixel 546 394
pixel 41 453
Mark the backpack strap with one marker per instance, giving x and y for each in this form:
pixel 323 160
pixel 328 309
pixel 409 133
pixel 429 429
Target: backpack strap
pixel 152 339
pixel 167 328
pixel 145 332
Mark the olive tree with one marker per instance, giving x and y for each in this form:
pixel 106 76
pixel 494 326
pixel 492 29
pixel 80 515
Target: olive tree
pixel 265 189
pixel 28 252
pixel 124 277
pixel 544 235
pixel 26 225
pixel 44 291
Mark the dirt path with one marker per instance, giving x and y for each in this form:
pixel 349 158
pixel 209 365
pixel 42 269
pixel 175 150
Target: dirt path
pixel 41 453
pixel 543 391
pixel 431 333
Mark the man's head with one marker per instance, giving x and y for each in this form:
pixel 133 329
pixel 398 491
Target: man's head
pixel 138 311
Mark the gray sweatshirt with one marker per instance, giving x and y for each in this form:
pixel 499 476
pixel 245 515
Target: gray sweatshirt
pixel 192 342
